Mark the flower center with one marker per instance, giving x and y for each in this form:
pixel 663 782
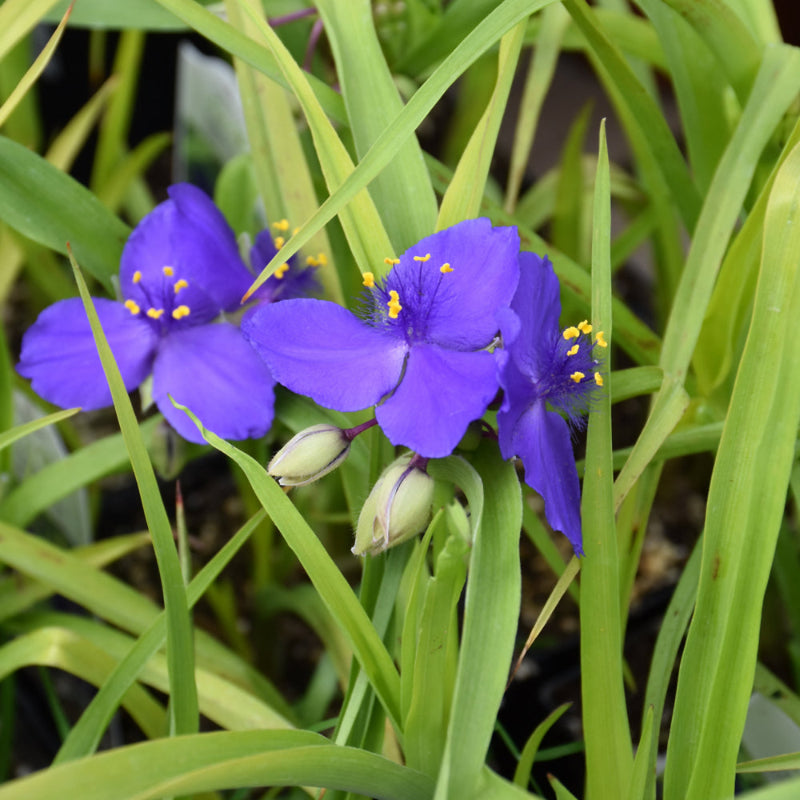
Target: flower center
pixel 162 300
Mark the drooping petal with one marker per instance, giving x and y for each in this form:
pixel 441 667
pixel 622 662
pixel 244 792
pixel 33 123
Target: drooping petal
pixel 213 371
pixel 456 308
pixel 541 439
pixel 189 235
pixel 60 358
pixel 320 349
pixel 442 391
pixel 538 307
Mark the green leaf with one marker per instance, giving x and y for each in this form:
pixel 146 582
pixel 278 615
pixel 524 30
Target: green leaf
pixel 44 204
pixel 18 17
pixel 522 774
pixel 402 192
pixel 746 504
pixel 180 647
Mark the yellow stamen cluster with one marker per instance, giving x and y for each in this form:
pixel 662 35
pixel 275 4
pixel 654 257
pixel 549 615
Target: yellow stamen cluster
pixel 281 225
pixel 180 284
pixel 391 261
pixel 168 271
pixel 574 349
pixel 180 312
pixel 426 257
pixel 155 313
pixel 132 306
pixel 600 340
pixel 598 379
pixel 445 268
pixel 584 327
pixel 577 376
pixel 320 261
pixel 137 276
pixel 281 271
pixel 369 279
pixel 394 304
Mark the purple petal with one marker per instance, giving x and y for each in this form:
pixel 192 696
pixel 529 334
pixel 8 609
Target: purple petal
pixel 213 371
pixel 189 234
pixel 538 307
pixel 457 309
pixel 297 281
pixel 541 439
pixel 442 391
pixel 320 349
pixel 60 358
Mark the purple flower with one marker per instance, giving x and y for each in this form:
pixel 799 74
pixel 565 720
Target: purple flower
pixel 180 270
pixel 420 350
pixel 544 373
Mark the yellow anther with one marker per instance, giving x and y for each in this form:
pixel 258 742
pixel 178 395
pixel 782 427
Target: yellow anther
pixel 279 242
pixel 574 349
pixel 312 262
pixel 322 259
pixel 281 225
pixel 391 261
pixel 369 280
pixel 132 306
pixel 168 271
pixel 600 340
pixel 137 276
pixel 571 333
pixel 180 284
pixel 281 271
pixel 155 313
pixel 422 258
pixel 445 268
pixel 180 312
pixel 394 304
pixel 577 377
pixel 585 327
pixel 598 379
pixel 296 231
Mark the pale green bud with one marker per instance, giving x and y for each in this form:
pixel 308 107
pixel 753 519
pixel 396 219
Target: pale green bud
pixel 309 455
pixel 398 507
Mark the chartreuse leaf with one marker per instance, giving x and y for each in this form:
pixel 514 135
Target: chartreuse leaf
pixel 70 651
pixel 609 758
pixel 727 36
pixel 236 43
pixel 8 437
pixel 486 33
pixel 281 169
pixel 180 647
pixel 44 204
pixel 189 765
pixel 522 774
pixel 462 200
pixel 760 17
pixel 33 73
pixel 402 192
pixel 361 223
pixel 491 610
pixel 745 507
pixel 770 764
pixel 132 14
pixel 643 766
pixel 18 17
pixel 641 110
pixel 323 573
pixel 540 75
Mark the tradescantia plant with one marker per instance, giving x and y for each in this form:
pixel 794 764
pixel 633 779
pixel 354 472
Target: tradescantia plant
pixel 383 336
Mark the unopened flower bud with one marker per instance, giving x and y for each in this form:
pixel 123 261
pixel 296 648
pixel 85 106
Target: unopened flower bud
pixel 398 507
pixel 309 455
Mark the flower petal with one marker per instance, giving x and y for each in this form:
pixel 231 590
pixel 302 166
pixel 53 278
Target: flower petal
pixel 442 391
pixel 189 234
pixel 541 439
pixel 538 307
pixel 320 349
pixel 213 371
pixel 60 358
pixel 297 281
pixel 456 309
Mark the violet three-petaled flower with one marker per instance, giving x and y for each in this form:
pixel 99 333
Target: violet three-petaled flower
pixel 180 269
pixel 545 373
pixel 419 352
